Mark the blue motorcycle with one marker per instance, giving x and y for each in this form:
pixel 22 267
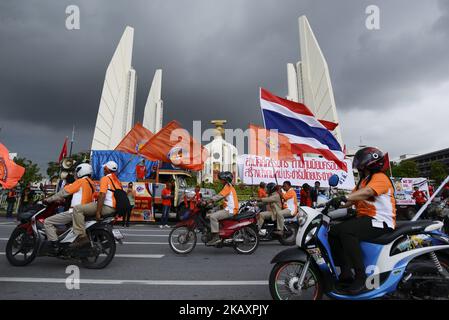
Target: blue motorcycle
pixel 411 262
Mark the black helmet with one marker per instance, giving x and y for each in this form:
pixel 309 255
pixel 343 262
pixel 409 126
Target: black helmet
pixel 271 187
pixel 226 176
pixel 369 158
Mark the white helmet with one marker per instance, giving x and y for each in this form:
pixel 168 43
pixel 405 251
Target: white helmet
pixel 111 165
pixel 84 169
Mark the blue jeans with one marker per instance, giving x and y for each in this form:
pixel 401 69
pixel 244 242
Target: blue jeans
pixel 165 215
pixel 9 209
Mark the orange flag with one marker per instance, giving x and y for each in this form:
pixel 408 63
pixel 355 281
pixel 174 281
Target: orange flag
pixel 10 173
pixel 135 140
pixel 266 143
pixel 174 145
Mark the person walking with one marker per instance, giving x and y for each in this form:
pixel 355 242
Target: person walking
pixel 131 193
pixel 11 201
pixel 166 205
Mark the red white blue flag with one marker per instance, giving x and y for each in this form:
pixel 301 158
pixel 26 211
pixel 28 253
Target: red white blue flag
pixel 306 133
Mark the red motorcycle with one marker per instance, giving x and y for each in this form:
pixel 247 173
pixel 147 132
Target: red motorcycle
pixel 238 232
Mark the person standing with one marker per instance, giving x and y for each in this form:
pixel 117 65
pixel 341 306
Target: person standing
pixel 166 205
pixel 305 198
pixel 11 200
pixel 141 171
pixel 131 193
pixel 26 198
pixel 314 193
pixel 420 198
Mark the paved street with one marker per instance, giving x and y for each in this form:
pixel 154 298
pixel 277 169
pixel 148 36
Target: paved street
pixel 144 268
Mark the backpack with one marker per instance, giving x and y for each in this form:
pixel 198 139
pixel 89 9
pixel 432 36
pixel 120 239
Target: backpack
pixel 122 204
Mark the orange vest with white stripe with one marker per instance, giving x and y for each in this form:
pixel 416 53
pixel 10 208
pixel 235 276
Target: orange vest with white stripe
pixel 381 207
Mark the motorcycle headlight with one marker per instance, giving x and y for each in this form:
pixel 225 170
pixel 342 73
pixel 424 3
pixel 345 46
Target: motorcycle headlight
pixel 302 219
pixel 310 235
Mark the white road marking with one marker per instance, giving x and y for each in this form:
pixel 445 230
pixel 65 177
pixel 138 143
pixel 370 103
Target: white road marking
pixel 144 256
pixel 140 256
pixel 144 235
pixel 142 282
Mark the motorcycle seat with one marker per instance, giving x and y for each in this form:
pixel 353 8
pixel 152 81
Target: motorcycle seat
pixel 402 228
pixel 91 218
pixel 241 216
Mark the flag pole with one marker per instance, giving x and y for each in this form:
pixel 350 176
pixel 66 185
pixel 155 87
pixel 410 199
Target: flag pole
pixel 71 141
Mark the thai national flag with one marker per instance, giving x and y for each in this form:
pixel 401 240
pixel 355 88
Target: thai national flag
pixel 306 133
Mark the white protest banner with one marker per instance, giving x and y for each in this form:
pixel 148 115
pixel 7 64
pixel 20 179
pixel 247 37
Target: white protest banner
pixel 404 189
pixel 254 169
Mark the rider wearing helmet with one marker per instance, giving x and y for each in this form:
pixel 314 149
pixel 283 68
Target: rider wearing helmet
pixel 274 203
pixel 374 200
pixel 82 191
pixel 230 206
pixel 105 204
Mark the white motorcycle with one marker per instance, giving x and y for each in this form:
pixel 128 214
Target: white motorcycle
pixel 28 240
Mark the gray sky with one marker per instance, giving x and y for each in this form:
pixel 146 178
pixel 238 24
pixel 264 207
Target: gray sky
pixel 391 85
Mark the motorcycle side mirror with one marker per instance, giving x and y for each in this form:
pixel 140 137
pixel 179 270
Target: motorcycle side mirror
pixel 334 180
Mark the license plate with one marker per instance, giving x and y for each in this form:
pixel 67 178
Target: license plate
pixel 117 234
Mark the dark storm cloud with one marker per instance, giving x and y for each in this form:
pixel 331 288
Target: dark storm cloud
pixel 214 56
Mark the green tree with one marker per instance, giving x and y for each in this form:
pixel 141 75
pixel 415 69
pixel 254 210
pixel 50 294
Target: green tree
pixel 53 169
pixel 438 171
pixel 32 173
pixel 405 169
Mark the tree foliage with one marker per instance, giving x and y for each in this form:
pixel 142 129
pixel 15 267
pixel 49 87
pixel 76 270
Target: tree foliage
pixel 32 173
pixel 405 169
pixel 438 171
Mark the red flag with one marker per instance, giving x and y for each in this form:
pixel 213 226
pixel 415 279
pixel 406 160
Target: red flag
pixel 63 152
pixel 268 143
pixel 386 163
pixel 135 140
pixel 10 173
pixel 174 145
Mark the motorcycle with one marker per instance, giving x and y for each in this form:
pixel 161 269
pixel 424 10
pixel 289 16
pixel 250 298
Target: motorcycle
pixel 266 234
pixel 412 262
pixel 28 240
pixel 238 232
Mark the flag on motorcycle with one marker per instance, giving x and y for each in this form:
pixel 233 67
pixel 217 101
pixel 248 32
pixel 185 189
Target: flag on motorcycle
pixel 134 140
pixel 306 133
pixel 174 145
pixel 63 152
pixel 10 172
pixel 269 143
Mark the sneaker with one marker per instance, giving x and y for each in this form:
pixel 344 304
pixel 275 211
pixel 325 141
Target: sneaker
pixel 161 226
pixel 215 240
pixel 167 226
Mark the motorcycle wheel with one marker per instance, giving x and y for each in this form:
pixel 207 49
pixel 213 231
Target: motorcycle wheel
pixel 104 243
pixel 289 237
pixel 284 279
pixel 182 240
pixel 250 240
pixel 21 248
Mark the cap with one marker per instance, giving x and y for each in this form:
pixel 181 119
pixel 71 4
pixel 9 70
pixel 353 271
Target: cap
pixel 111 165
